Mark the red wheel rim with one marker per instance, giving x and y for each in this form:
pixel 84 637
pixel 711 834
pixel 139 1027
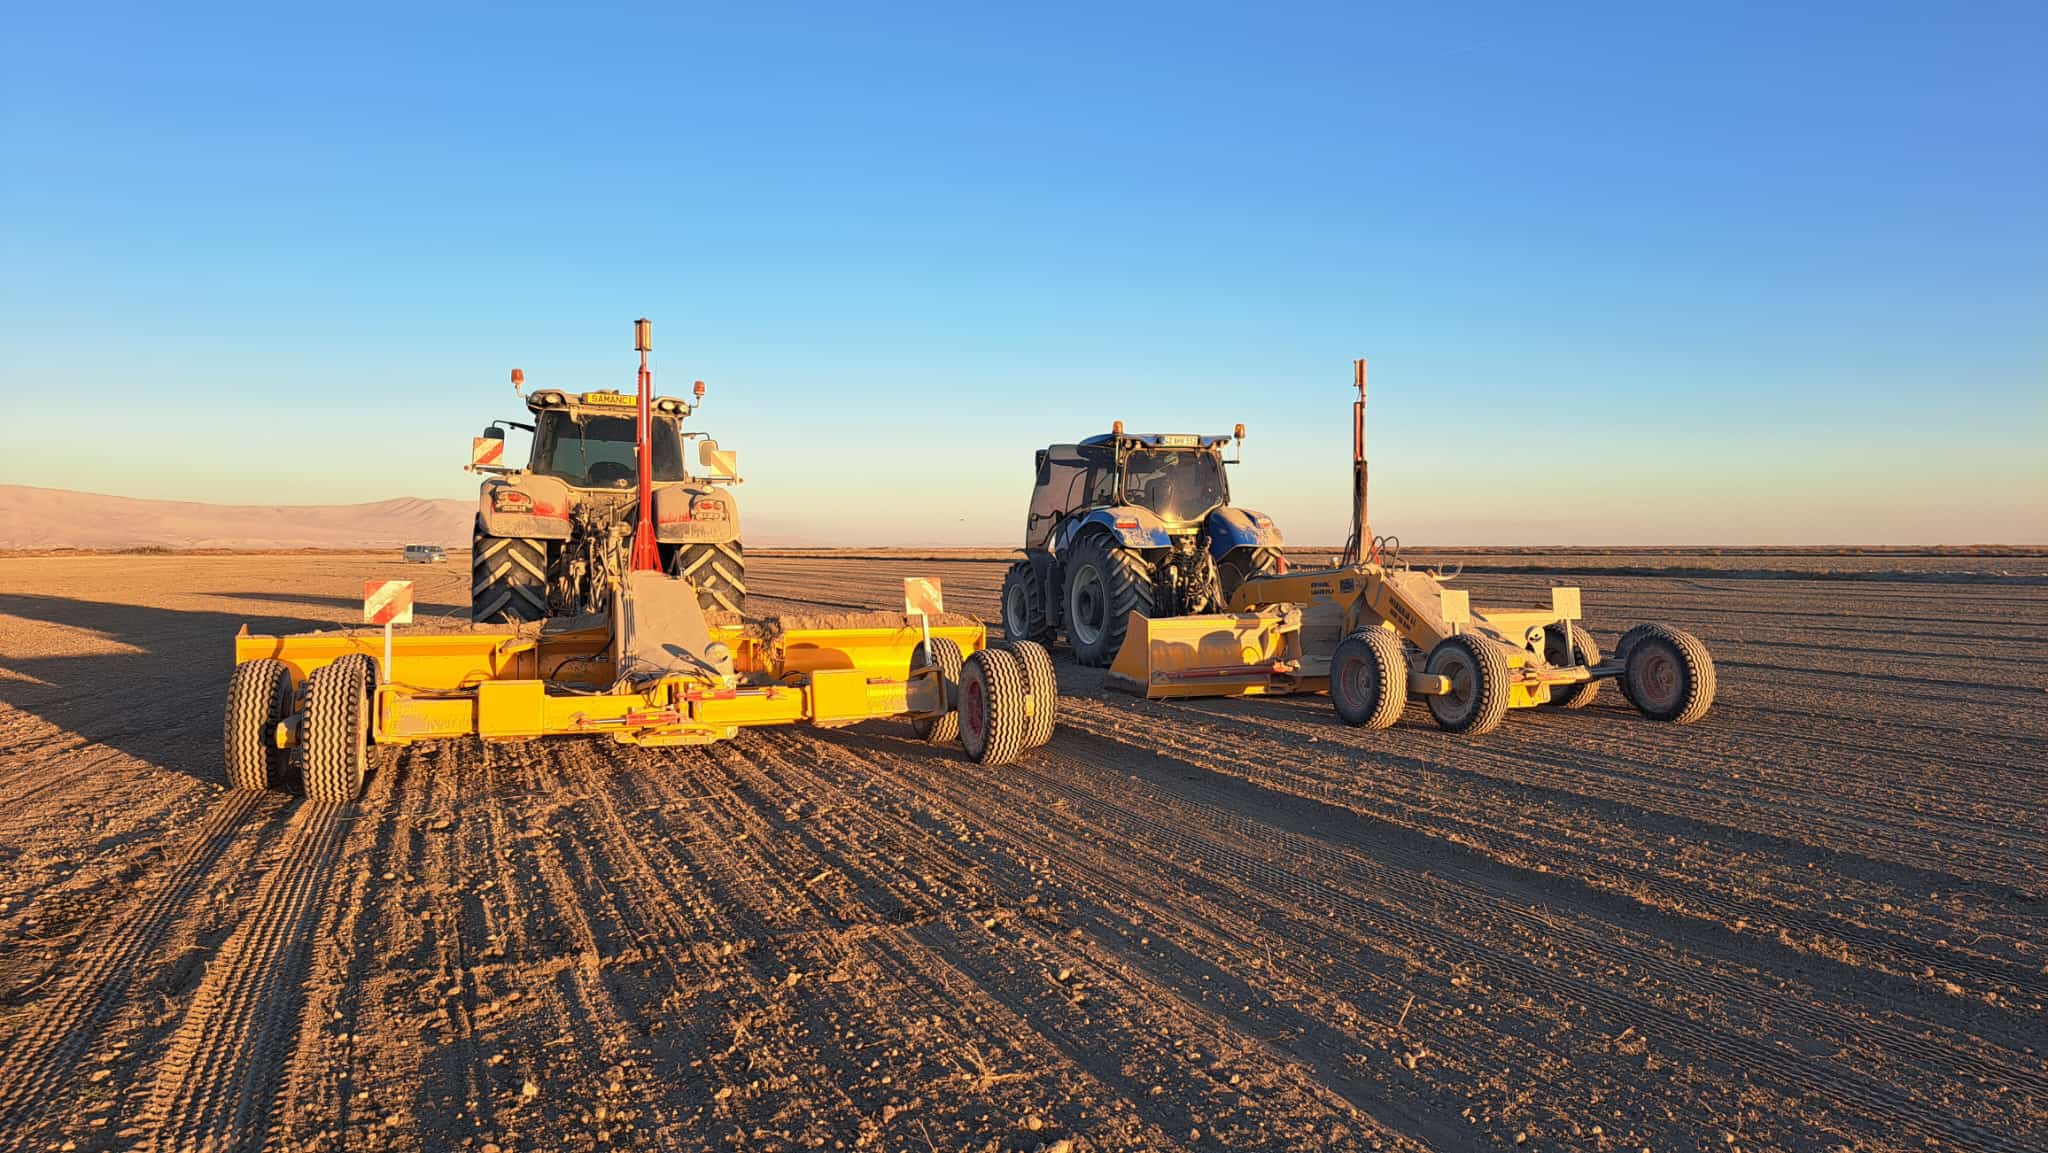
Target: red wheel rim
pixel 1660 681
pixel 972 707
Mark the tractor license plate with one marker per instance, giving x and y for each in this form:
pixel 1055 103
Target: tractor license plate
pixel 1179 441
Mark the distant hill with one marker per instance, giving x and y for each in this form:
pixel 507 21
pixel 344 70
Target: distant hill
pixel 41 518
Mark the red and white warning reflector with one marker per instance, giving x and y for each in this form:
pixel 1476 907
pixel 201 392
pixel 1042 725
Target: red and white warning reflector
pixel 387 602
pixel 922 597
pixel 486 452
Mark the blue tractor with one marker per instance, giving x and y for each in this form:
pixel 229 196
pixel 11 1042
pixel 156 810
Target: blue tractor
pixel 1131 522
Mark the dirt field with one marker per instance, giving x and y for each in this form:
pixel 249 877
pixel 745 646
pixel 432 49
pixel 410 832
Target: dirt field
pixel 1816 920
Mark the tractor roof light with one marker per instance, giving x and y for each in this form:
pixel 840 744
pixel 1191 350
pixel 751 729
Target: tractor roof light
pixel 1117 427
pixel 697 390
pixel 1240 431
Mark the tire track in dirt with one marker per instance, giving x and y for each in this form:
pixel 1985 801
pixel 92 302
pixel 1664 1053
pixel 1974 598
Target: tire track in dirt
pixel 913 928
pixel 1145 835
pixel 315 1101
pixel 1460 905
pixel 582 1003
pixel 1121 1024
pixel 1415 794
pixel 1195 933
pixel 43 1053
pixel 216 1084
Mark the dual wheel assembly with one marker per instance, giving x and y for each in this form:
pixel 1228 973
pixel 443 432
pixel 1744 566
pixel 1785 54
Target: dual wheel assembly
pixel 324 735
pixel 1003 700
pixel 1666 673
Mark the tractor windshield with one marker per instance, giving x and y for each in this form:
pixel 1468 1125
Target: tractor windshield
pixel 596 451
pixel 1179 484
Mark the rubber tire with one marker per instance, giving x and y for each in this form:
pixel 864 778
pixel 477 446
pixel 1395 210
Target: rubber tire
pixel 1369 679
pixel 259 697
pixel 1127 588
pixel 992 721
pixel 1657 647
pixel 718 572
pixel 1584 652
pixel 1487 669
pixel 1620 655
pixel 1043 685
pixel 1241 564
pixel 946 729
pixel 1023 604
pixel 334 741
pixel 508 577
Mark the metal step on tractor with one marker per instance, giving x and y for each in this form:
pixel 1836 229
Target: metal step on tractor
pixel 1132 523
pixel 546 533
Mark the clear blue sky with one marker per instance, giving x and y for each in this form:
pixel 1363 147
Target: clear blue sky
pixel 1625 273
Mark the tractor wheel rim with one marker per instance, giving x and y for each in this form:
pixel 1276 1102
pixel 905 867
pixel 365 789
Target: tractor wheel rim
pixel 1660 682
pixel 1014 612
pixel 973 709
pixel 1090 605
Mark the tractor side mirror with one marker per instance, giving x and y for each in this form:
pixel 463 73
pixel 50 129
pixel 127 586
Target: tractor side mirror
pixel 719 462
pixel 493 432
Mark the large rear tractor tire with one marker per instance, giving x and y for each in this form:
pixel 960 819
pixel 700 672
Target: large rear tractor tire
pixel 1105 585
pixel 945 729
pixel 1479 675
pixel 259 697
pixel 1240 565
pixel 1584 652
pixel 1668 675
pixel 1369 678
pixel 1042 684
pixel 335 741
pixel 719 572
pixel 1023 604
pixel 508 578
pixel 993 724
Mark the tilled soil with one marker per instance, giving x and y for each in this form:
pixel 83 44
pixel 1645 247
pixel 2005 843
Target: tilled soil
pixel 1816 920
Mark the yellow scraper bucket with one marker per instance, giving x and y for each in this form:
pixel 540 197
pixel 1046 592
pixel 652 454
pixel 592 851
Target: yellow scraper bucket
pixel 1223 654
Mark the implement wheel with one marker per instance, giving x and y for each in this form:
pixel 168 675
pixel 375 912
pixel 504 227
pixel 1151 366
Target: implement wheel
pixel 335 740
pixel 1023 604
pixel 1478 672
pixel 1105 585
pixel 1369 678
pixel 259 697
pixel 940 730
pixel 1584 652
pixel 1668 675
pixel 992 721
pixel 1043 685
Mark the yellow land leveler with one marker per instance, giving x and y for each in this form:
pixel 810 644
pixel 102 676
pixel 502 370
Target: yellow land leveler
pixel 652 671
pixel 1356 629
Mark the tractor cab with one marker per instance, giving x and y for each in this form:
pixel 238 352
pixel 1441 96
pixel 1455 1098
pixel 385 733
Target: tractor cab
pixel 1124 523
pixel 1177 478
pixel 588 441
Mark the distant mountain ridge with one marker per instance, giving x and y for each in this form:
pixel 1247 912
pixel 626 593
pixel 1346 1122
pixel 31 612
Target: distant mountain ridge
pixel 40 518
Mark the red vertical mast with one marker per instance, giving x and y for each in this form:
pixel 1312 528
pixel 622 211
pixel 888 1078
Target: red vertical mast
pixel 646 557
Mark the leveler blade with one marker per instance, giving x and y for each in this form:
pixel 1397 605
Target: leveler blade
pixel 662 632
pixel 1214 655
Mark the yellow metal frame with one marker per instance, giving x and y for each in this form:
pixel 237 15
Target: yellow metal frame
pixel 503 686
pixel 1282 631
